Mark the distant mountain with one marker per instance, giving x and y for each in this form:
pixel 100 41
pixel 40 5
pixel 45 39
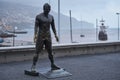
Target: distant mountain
pixel 17 14
pixel 23 16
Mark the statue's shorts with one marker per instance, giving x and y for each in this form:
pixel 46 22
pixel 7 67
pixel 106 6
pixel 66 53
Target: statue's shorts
pixel 40 45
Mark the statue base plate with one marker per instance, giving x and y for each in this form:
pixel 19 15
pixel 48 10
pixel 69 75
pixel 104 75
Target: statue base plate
pixel 31 73
pixel 48 73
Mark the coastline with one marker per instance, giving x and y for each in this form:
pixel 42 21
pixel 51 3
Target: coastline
pixel 89 36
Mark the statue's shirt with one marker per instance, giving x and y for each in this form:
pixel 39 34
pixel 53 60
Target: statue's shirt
pixel 44 23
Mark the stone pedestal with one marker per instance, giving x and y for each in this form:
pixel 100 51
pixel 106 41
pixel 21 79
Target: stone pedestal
pixel 54 73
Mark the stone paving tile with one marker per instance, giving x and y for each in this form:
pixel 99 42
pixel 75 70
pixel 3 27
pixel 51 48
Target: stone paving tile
pixel 83 67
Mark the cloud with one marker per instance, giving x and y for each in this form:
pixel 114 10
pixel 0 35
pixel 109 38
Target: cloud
pixel 113 6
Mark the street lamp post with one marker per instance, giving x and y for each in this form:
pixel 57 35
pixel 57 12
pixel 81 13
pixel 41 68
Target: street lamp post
pixel 71 27
pixel 49 1
pixel 96 29
pixel 118 24
pixel 13 36
pixel 59 20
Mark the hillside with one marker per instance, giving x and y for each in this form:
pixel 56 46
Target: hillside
pixel 23 16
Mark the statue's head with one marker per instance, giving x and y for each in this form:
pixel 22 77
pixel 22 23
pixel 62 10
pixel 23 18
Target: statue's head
pixel 46 8
pixel 102 24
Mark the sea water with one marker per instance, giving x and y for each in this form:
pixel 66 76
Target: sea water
pixel 90 35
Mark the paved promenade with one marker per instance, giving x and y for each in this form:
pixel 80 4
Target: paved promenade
pixel 83 67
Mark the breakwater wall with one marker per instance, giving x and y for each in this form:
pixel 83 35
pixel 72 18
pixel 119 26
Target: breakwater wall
pixel 22 53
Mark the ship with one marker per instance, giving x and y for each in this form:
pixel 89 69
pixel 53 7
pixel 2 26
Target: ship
pixel 102 35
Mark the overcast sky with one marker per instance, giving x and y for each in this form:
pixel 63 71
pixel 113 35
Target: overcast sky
pixel 87 10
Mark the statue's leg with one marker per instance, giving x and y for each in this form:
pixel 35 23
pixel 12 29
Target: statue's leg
pixel 48 46
pixel 39 47
pixel 35 59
